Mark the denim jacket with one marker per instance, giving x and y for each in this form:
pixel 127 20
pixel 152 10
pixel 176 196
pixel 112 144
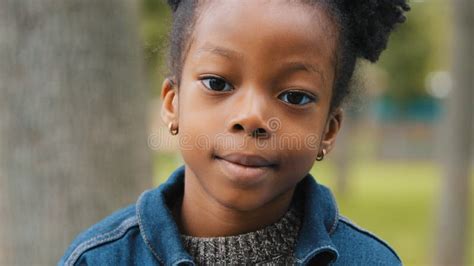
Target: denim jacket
pixel 146 234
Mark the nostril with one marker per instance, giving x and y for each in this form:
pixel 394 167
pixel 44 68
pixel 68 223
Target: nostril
pixel 238 127
pixel 259 132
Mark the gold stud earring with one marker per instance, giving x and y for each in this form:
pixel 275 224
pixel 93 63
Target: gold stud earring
pixel 321 157
pixel 173 131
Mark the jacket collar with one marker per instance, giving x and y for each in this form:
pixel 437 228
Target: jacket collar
pixel 157 226
pixel 162 237
pixel 320 219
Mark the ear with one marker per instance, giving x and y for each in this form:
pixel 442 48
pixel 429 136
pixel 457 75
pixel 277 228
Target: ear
pixel 169 96
pixel 333 125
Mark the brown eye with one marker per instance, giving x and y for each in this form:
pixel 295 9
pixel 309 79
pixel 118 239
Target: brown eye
pixel 296 97
pixel 216 84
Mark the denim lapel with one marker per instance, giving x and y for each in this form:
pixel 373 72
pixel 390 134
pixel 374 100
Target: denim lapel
pixel 158 229
pixel 320 217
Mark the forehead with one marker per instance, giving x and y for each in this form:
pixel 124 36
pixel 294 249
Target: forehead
pixel 291 26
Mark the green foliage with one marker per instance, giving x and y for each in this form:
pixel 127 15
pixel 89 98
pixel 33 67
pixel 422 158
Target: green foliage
pixel 415 49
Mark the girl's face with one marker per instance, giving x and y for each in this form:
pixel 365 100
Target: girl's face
pixel 265 66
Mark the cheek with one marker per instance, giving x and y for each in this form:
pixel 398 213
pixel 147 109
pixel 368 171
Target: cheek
pixel 299 144
pixel 199 127
pixel 196 118
pixel 299 154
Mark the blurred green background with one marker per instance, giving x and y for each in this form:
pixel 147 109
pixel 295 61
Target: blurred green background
pixel 391 185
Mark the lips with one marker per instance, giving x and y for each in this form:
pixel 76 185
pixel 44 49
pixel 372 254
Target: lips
pixel 246 170
pixel 248 160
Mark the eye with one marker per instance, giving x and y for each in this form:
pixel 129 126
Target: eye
pixel 296 97
pixel 216 84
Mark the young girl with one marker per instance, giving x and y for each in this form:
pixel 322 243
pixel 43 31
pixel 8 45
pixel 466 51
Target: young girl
pixel 254 96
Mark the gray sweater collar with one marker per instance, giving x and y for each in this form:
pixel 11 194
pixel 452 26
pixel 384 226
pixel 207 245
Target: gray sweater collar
pixel 273 244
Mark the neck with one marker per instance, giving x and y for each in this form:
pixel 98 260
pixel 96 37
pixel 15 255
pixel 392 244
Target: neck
pixel 203 216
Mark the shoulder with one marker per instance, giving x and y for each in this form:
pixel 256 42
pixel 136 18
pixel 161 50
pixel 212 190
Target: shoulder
pixel 357 245
pixel 113 230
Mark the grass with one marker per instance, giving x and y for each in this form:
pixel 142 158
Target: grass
pixel 395 200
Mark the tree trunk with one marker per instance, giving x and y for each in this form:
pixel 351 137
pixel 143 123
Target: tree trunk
pixel 457 151
pixel 72 122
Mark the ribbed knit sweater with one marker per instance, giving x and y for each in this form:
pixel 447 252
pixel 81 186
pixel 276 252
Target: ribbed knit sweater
pixel 273 244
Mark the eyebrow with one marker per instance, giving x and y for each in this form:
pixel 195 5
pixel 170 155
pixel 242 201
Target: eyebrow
pixel 288 67
pixel 295 66
pixel 228 53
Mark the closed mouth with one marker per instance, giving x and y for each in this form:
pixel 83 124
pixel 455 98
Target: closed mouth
pixel 247 160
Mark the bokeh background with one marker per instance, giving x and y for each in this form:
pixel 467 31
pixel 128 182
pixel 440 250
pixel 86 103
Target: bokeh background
pixel 81 135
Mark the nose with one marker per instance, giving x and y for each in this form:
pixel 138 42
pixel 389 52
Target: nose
pixel 249 117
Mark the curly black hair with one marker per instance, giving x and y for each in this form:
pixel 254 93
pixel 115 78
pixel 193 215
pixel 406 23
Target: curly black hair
pixel 364 25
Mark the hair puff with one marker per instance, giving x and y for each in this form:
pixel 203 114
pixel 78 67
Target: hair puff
pixel 370 23
pixel 174 4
